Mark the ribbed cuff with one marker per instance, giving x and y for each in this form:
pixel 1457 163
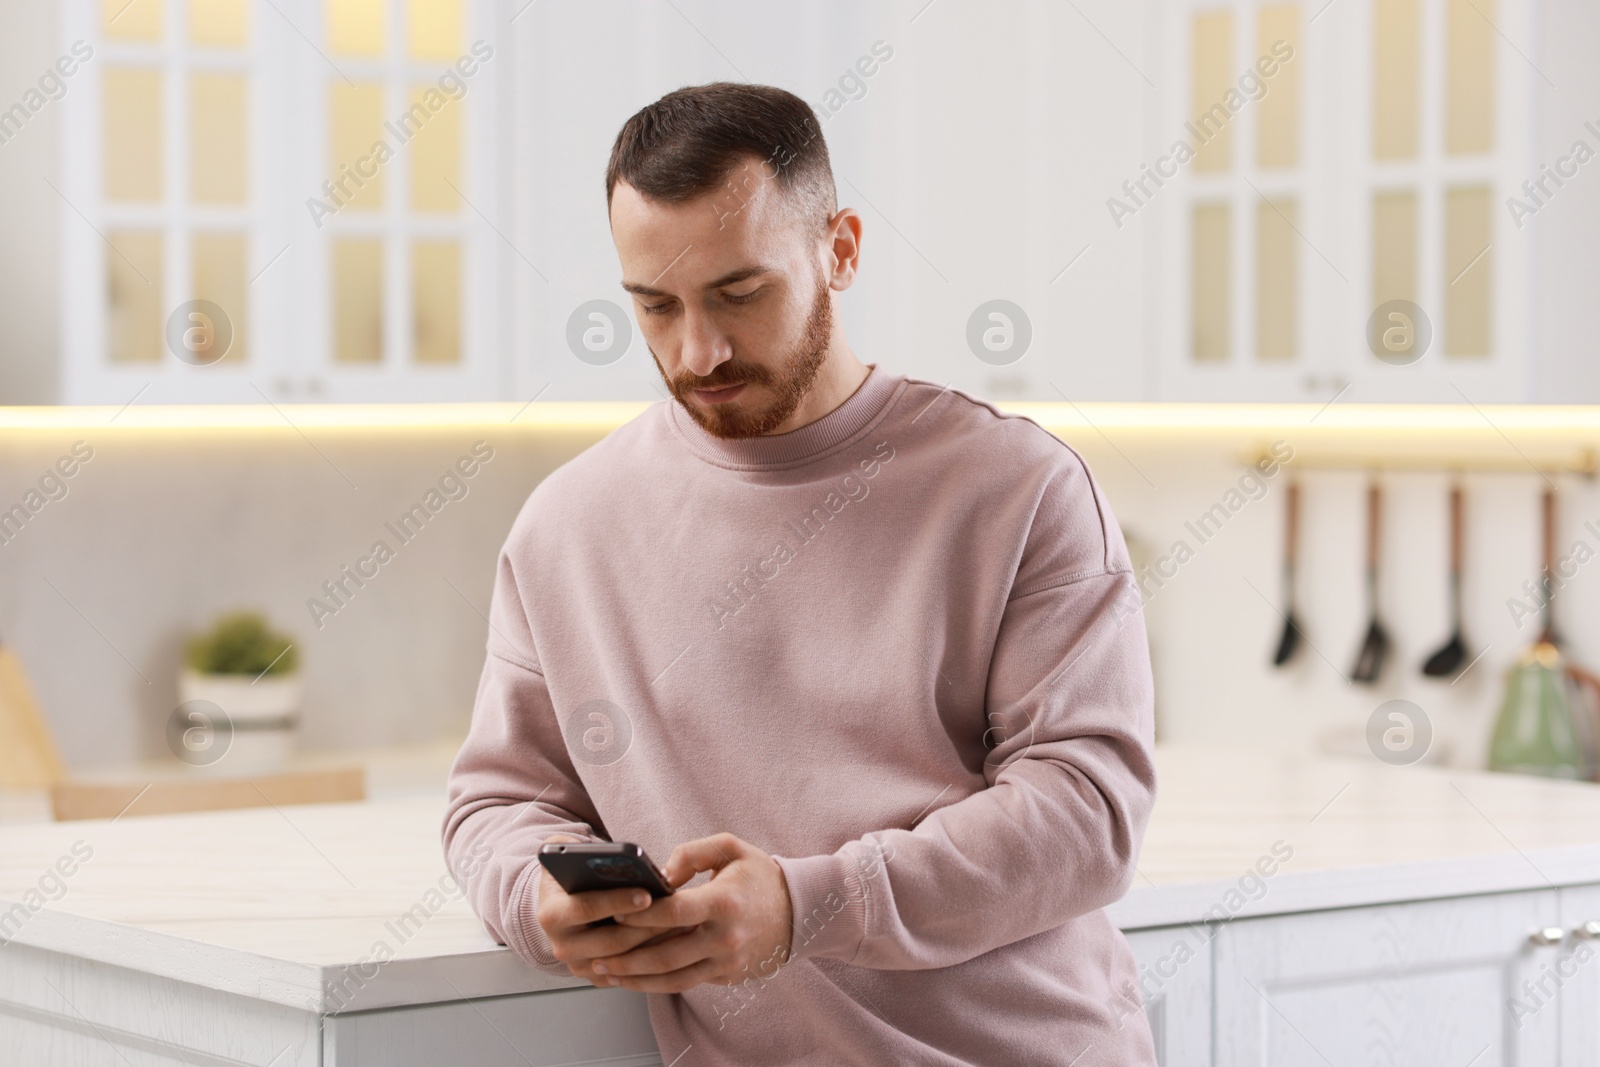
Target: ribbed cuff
pixel 527 937
pixel 830 906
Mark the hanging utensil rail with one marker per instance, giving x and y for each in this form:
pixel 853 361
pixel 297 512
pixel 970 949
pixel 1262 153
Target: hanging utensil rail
pixel 1585 463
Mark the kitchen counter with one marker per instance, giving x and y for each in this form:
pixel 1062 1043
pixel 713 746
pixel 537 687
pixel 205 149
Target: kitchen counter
pixel 1362 832
pixel 291 906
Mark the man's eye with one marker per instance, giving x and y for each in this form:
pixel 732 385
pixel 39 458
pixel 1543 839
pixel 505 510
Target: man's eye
pixel 656 309
pixel 745 299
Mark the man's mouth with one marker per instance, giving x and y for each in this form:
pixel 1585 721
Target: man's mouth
pixel 721 395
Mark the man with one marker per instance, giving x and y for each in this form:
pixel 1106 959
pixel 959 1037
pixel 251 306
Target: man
pixel 857 646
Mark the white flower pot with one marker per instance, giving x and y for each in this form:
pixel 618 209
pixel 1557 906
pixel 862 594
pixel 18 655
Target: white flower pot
pixel 257 731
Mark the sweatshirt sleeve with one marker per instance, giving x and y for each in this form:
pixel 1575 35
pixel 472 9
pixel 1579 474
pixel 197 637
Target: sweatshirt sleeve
pixel 1069 774
pixel 512 786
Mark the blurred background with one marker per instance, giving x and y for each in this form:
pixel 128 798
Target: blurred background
pixel 1183 207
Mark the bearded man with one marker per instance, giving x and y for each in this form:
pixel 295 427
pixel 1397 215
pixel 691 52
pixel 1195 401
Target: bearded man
pixel 856 647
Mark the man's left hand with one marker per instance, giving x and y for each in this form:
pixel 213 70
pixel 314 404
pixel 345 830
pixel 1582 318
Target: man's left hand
pixel 737 925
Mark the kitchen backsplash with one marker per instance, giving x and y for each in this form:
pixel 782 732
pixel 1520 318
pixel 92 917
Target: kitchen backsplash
pixel 161 532
pixel 155 533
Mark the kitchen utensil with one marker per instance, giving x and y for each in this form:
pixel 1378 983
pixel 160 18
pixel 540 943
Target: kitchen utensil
pixel 1535 731
pixel 1547 544
pixel 1447 661
pixel 1290 641
pixel 1375 647
pixel 28 758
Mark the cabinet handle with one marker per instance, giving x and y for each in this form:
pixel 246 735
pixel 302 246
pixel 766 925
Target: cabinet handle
pixel 1550 935
pixel 1589 931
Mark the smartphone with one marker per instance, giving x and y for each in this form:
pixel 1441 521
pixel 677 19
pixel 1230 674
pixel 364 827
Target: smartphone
pixel 582 866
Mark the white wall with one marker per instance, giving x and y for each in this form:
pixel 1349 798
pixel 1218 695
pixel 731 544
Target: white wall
pixel 982 152
pixel 1215 625
pixel 160 532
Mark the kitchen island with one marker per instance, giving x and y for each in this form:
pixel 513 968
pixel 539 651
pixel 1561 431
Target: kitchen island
pixel 1286 910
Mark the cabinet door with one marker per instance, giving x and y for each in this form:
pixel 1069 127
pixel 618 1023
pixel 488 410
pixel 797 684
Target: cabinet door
pixel 579 1027
pixel 1432 982
pixel 1575 972
pixel 1175 985
pixel 66 1011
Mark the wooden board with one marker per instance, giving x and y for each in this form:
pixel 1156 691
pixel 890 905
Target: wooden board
pixel 106 800
pixel 28 758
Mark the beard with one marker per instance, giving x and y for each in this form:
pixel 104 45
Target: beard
pixel 788 384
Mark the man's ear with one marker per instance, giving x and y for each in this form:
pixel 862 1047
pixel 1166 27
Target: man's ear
pixel 843 240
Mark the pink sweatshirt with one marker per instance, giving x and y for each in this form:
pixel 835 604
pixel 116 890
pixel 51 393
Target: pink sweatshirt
pixel 899 649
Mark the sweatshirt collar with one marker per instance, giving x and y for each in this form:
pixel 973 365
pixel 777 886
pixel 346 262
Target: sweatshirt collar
pixel 859 409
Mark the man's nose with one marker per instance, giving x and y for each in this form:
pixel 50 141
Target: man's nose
pixel 705 346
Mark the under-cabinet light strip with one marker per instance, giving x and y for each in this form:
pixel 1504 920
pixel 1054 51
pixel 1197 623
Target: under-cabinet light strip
pixel 601 415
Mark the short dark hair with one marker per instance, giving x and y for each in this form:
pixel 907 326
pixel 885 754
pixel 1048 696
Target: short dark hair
pixel 687 143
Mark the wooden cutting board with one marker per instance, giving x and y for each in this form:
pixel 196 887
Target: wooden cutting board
pixel 83 799
pixel 28 757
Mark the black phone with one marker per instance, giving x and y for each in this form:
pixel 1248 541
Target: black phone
pixel 581 866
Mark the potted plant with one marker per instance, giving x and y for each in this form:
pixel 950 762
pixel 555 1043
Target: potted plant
pixel 248 671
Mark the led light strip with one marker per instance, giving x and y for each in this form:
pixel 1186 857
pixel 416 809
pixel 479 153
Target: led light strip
pixel 569 415
pixel 603 415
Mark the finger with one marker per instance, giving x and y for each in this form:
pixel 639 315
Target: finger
pixel 580 950
pixel 705 854
pixel 581 909
pixel 612 979
pixel 658 937
pixel 600 942
pixel 675 982
pixel 660 959
pixel 663 958
pixel 686 907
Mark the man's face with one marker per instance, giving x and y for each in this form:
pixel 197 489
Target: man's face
pixel 733 298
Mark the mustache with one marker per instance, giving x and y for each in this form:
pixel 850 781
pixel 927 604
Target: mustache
pixel 730 373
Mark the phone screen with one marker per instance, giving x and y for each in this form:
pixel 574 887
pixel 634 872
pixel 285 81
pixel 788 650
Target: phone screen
pixel 580 867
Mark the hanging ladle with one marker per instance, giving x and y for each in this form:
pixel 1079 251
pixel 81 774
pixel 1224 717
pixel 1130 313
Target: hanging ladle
pixel 1290 641
pixel 1447 661
pixel 1375 647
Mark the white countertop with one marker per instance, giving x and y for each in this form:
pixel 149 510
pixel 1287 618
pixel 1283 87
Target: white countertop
pixel 1362 832
pixel 281 904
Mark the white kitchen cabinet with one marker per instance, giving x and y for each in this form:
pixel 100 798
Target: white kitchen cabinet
pixel 1428 982
pixel 66 1011
pixel 1574 978
pixel 1175 984
pixel 1368 944
pixel 1305 211
pixel 564 1028
pixel 387 288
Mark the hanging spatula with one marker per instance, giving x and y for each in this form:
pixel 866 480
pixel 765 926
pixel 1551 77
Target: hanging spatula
pixel 1375 646
pixel 1289 642
pixel 1447 661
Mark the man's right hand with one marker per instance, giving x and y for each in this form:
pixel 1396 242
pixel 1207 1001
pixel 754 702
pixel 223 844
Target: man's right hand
pixel 566 919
